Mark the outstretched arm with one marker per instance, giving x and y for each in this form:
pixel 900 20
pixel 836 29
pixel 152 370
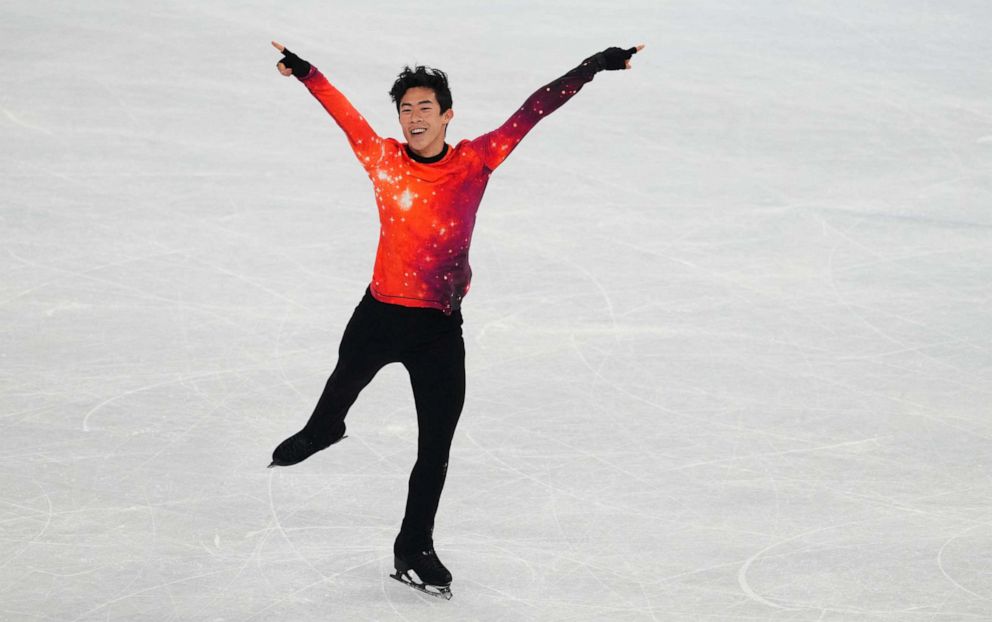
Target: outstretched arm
pixel 366 144
pixel 497 145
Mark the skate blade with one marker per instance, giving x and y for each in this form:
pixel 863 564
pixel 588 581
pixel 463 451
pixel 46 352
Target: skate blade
pixel 437 591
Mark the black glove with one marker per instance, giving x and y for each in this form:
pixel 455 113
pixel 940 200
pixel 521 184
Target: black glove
pixel 611 58
pixel 299 67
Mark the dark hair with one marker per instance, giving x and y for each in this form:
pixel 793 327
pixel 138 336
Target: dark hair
pixel 422 76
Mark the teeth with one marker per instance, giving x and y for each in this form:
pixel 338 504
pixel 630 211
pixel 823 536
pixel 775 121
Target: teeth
pixel 419 130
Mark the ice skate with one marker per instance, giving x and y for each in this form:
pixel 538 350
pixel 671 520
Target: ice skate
pixel 423 571
pixel 301 446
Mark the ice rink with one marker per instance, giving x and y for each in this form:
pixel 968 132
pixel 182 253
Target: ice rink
pixel 729 336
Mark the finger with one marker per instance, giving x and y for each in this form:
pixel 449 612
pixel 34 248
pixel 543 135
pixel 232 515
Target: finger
pixel 637 48
pixel 278 46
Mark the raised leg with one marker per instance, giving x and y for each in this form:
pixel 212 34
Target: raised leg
pixel 360 356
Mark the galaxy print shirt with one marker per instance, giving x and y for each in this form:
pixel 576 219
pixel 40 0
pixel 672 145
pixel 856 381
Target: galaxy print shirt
pixel 427 210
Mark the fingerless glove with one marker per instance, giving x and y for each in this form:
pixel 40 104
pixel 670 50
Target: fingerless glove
pixel 299 67
pixel 611 58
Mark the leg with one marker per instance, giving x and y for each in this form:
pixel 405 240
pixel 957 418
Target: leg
pixel 360 357
pixel 437 373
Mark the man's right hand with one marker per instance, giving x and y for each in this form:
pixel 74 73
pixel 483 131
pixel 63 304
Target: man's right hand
pixel 291 64
pixel 614 58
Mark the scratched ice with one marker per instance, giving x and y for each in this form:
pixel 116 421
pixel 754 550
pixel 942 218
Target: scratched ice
pixel 728 338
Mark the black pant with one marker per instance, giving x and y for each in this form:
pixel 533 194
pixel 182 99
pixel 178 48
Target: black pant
pixel 430 346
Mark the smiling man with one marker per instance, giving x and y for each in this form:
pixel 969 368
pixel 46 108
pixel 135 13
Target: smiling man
pixel 428 194
pixel 423 118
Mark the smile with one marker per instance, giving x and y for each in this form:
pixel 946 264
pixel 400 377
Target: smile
pixel 418 130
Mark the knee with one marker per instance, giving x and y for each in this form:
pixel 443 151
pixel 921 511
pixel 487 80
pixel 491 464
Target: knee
pixel 345 379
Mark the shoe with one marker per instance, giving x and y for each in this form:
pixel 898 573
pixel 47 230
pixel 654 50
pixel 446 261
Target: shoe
pixel 301 446
pixel 422 570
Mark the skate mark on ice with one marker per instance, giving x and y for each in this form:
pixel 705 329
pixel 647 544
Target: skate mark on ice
pixel 553 490
pixel 856 309
pixel 578 178
pixel 770 454
pixel 520 473
pixel 153 546
pixel 244 279
pixel 10 115
pixel 277 354
pixel 83 274
pixel 912 349
pixel 254 556
pixel 49 514
pixel 504 596
pixel 742 579
pixel 707 271
pixel 156 385
pixel 278 525
pixel 152 588
pixel 695 419
pixel 919 410
pixel 138 293
pixel 943 569
pixel 515 557
pixel 328 579
pixel 607 299
pixel 593 457
pixel 497 321
pixel 386 592
pixel 550 487
pixel 898 259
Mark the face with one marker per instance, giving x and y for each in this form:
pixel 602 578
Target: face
pixel 422 121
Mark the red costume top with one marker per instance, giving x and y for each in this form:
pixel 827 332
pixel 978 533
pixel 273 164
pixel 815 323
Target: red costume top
pixel 427 211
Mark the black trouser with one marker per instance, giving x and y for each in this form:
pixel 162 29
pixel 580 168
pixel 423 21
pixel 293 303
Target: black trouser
pixel 430 346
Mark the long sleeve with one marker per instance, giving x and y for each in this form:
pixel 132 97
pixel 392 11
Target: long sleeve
pixel 367 145
pixel 496 145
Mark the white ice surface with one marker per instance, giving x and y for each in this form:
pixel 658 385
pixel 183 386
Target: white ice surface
pixel 729 338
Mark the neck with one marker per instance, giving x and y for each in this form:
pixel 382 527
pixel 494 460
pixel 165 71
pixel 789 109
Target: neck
pixel 430 150
pixel 425 156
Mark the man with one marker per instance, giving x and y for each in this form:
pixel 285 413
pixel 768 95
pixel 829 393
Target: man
pixel 428 194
